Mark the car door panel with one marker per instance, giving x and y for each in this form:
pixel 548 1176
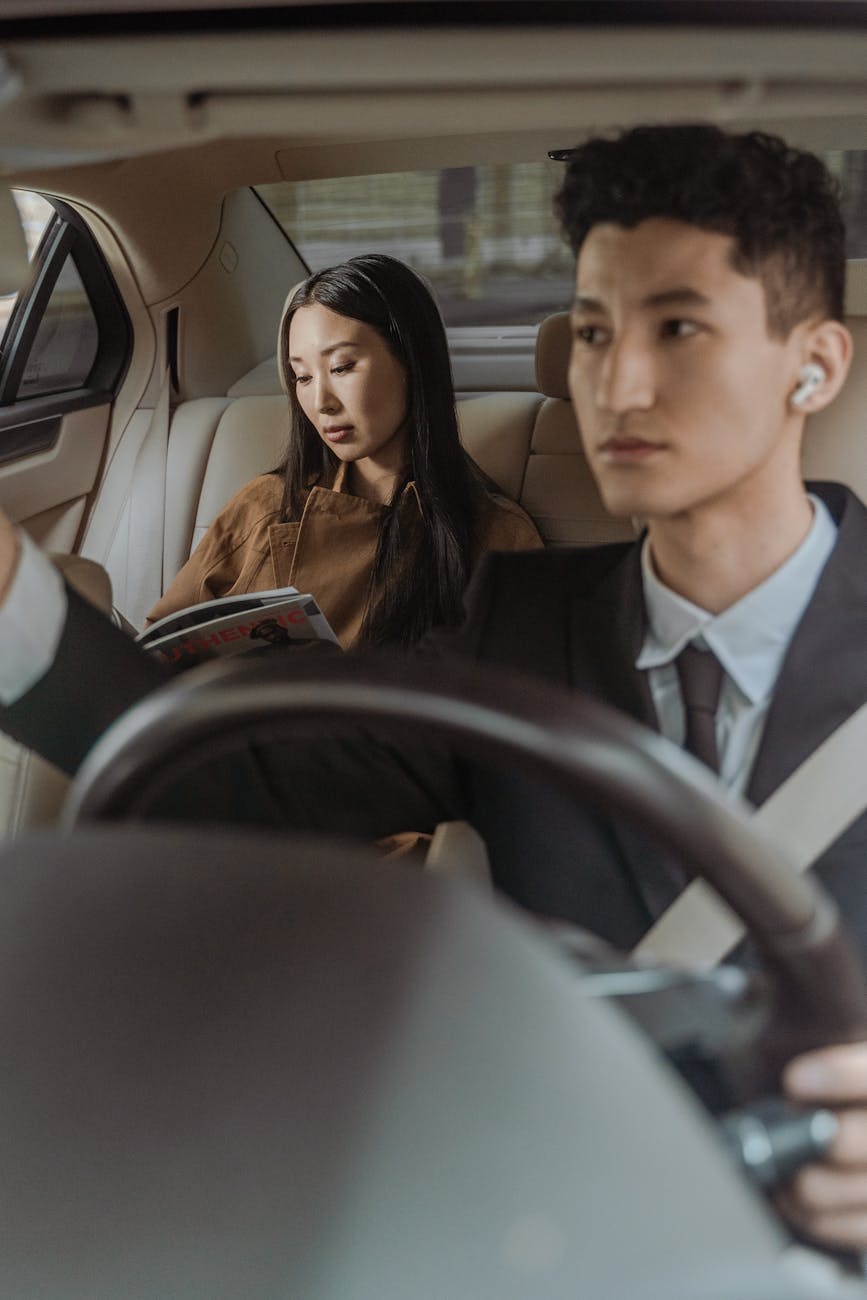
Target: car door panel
pixel 58 477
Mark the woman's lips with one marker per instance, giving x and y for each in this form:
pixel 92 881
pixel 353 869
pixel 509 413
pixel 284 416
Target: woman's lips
pixel 337 433
pixel 628 449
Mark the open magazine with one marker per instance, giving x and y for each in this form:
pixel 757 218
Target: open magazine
pixel 236 623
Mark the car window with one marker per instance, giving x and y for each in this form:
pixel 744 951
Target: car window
pixel 65 345
pixel 485 237
pixel 35 212
pixel 66 336
pixel 850 168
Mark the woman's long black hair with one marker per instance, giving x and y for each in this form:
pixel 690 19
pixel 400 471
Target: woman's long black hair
pixel 421 565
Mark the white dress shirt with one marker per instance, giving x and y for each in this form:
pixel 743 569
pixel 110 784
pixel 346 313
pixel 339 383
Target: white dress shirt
pixel 750 640
pixel 31 622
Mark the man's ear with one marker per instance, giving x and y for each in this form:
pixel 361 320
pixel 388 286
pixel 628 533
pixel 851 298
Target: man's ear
pixel 829 346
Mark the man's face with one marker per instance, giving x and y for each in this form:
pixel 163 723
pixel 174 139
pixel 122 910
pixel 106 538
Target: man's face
pixel 680 393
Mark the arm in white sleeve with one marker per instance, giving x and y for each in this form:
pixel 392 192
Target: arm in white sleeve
pixel 31 622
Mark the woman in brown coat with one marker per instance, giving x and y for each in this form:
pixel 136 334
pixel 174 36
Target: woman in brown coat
pixel 377 510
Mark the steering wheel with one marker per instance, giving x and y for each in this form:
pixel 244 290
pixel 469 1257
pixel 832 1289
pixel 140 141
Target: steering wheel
pixel 584 747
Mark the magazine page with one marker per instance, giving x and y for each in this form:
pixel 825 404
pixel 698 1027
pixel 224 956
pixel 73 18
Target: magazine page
pixel 207 610
pixel 293 618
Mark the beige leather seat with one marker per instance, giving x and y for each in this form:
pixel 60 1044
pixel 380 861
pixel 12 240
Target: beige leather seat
pixel 559 490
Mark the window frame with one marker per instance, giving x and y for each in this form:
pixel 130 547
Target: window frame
pixel 31 424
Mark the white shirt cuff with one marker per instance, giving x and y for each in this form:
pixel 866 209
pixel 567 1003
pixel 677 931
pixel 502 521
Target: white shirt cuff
pixel 31 622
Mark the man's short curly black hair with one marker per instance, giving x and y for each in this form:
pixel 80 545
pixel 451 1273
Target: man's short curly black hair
pixel 780 205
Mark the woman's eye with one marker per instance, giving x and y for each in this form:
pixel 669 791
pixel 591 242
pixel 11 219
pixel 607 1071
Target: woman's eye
pixel 679 329
pixel 341 369
pixel 300 379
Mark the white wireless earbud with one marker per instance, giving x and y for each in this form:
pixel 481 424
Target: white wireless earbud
pixel 810 377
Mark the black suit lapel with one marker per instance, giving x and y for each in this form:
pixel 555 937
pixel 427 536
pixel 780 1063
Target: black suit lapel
pixel 823 679
pixel 608 630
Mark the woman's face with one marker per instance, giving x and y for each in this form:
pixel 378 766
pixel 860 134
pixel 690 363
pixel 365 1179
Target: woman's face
pixel 351 387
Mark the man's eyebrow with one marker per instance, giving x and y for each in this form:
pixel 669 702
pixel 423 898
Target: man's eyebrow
pixel 326 352
pixel 682 296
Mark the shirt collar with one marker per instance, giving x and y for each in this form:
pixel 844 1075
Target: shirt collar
pixel 341 474
pixel 751 637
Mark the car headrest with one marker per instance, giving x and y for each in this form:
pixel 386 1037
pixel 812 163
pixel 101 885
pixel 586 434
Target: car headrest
pixel 553 344
pixel 271 375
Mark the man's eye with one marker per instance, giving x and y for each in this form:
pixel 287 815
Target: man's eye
pixel 592 336
pixel 679 329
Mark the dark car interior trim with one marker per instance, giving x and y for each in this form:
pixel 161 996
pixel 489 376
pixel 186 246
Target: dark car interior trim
pixel 440 13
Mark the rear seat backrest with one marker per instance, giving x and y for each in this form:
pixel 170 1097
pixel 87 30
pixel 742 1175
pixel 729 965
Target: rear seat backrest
pixel 527 443
pixel 530 446
pixel 497 431
pixel 250 439
pixel 559 489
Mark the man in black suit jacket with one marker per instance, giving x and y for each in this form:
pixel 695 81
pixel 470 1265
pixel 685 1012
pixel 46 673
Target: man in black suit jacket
pixel 707 325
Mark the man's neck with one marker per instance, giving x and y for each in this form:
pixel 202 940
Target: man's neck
pixel 714 556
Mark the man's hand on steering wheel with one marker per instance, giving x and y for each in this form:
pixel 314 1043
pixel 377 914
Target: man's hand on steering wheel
pixel 827 1200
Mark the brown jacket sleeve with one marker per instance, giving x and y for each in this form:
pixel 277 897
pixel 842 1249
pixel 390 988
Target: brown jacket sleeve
pixel 234 554
pixel 506 527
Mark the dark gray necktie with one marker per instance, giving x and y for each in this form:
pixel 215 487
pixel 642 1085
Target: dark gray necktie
pixel 701 675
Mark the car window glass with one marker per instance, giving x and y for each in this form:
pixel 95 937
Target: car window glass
pixel 485 237
pixel 66 342
pixel 850 168
pixel 35 212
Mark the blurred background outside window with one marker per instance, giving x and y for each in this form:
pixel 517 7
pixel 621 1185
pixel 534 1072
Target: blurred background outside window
pixel 485 237
pixel 35 213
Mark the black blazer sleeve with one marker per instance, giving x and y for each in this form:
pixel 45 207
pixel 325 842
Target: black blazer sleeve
pixel 97 673
pixel 353 782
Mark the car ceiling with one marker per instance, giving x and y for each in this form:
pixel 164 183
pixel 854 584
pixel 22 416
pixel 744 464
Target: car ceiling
pixel 124 118
pixel 88 97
